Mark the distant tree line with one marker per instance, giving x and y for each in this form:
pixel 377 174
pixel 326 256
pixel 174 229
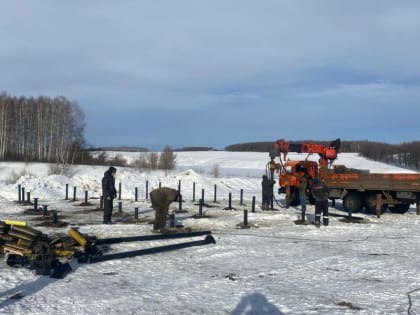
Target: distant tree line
pixel 41 129
pixel 189 149
pixel 119 149
pixel 165 160
pixel 405 155
pixel 251 147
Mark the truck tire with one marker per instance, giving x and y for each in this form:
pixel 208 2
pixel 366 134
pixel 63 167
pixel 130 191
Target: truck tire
pixel 370 204
pixel 401 208
pixel 353 202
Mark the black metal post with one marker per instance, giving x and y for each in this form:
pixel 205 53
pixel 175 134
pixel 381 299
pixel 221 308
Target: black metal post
pixel 160 184
pixel 242 197
pixel 101 202
pixel 172 220
pixel 28 197
pixel 19 192
pixel 179 186
pixel 208 240
pixel 54 217
pixel 86 197
pixel 45 210
pixel 379 203
pixel 245 217
pixel 23 194
pixel 36 204
pixel 230 201
pixel 147 189
pixel 153 237
pixel 253 204
pixel 119 191
pixel 180 202
pixel 67 191
pixel 136 213
pixel 418 204
pixel 200 207
pixel 74 193
pixel 202 195
pixel 215 193
pixel 136 194
pixel 193 191
pixel 120 206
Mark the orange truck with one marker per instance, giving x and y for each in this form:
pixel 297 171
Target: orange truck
pixel 358 189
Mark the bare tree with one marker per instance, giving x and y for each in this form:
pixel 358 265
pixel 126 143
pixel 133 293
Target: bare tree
pixel 41 129
pixel 167 159
pixel 153 159
pixel 140 163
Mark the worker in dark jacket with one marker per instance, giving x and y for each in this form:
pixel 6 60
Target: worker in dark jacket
pixel 161 199
pixel 303 184
pixel 320 193
pixel 267 192
pixel 108 193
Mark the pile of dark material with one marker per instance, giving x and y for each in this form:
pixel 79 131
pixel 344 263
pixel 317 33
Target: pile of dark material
pixel 24 246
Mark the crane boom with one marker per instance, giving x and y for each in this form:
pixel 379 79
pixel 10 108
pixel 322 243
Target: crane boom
pixel 327 154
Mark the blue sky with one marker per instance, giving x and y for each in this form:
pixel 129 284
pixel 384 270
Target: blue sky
pixel 214 73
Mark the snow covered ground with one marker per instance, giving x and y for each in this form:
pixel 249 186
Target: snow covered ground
pixel 274 267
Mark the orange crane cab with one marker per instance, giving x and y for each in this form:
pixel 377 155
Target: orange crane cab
pixel 291 172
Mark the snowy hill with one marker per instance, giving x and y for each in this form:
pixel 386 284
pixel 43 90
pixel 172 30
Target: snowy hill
pixel 274 267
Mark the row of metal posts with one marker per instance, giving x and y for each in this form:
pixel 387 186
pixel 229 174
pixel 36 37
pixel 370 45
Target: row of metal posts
pixel 147 193
pixel 21 196
pixel 21 192
pixel 201 201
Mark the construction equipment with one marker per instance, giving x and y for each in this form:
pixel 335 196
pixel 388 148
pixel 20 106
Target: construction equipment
pixel 357 188
pixel 24 246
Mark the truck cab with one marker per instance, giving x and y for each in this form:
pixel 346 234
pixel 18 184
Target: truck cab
pixel 290 175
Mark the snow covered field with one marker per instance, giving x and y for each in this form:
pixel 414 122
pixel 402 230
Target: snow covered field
pixel 274 267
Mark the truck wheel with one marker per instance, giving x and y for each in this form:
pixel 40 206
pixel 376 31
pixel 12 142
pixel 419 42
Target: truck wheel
pixel 401 208
pixel 370 204
pixel 352 202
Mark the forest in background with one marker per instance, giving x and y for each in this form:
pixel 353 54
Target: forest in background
pixel 405 155
pixel 41 129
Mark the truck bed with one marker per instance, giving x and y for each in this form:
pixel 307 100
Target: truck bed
pixel 371 181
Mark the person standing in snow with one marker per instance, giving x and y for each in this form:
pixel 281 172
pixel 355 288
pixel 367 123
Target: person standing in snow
pixel 320 193
pixel 109 193
pixel 267 192
pixel 303 184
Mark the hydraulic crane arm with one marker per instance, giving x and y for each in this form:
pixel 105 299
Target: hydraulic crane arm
pixel 327 154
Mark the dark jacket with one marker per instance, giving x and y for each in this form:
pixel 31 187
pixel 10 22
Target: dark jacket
pixel 108 185
pixel 267 186
pixel 319 190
